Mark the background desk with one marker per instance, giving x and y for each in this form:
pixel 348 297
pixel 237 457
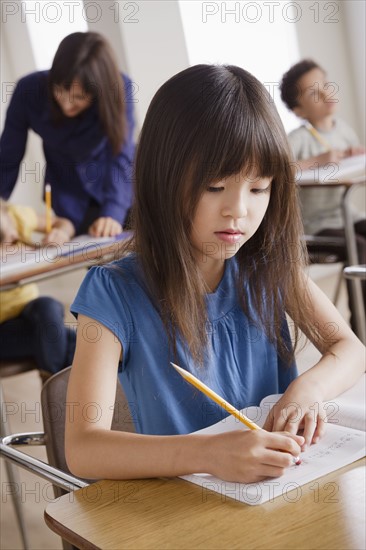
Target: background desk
pixel 350 187
pixel 328 513
pixel 43 267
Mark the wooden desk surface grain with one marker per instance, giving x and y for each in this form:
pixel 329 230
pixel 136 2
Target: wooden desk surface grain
pixel 328 513
pixel 83 258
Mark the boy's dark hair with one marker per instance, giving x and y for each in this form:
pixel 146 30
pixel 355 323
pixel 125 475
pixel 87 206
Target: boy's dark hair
pixel 288 86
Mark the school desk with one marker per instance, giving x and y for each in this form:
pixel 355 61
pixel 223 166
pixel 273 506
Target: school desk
pixel 34 265
pixel 350 187
pixel 328 513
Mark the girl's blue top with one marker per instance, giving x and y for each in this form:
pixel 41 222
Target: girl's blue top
pixel 80 164
pixel 241 365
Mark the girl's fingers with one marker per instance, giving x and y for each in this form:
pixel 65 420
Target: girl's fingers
pixel 268 425
pixel 310 425
pixel 320 430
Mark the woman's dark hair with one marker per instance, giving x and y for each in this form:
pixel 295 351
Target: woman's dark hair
pixel 89 58
pixel 289 88
pixel 204 124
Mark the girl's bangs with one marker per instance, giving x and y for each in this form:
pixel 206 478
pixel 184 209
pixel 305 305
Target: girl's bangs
pixel 244 144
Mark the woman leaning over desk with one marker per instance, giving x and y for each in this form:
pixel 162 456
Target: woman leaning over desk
pixel 82 110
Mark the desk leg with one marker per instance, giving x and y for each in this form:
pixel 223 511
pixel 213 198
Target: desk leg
pixel 355 284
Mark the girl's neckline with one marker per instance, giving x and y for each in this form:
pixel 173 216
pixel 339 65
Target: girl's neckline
pixel 219 284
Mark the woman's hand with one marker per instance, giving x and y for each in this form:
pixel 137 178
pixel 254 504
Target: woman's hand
pixel 251 456
pixel 299 409
pixel 105 227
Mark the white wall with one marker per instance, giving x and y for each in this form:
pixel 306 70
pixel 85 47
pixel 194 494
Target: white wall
pixel 354 12
pixel 154 46
pixel 15 39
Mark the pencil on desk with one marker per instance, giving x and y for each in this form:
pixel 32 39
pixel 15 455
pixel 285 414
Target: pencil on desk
pixel 222 402
pixel 48 208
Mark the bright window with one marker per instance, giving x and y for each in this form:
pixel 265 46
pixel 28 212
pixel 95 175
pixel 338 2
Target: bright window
pixel 49 22
pixel 259 36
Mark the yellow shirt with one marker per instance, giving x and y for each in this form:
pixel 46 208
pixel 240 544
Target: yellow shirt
pixel 12 302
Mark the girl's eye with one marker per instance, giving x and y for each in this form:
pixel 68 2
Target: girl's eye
pixel 214 189
pixel 259 190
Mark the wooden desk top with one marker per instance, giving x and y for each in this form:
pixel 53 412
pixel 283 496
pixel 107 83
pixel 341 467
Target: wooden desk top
pixel 328 513
pixel 42 266
pixel 331 182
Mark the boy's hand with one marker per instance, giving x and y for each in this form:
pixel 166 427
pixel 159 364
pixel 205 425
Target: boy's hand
pixel 333 156
pixel 354 151
pixel 105 227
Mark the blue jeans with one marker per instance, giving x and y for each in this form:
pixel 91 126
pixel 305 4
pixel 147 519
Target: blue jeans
pixel 39 333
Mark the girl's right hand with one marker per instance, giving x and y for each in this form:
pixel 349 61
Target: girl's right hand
pixel 252 456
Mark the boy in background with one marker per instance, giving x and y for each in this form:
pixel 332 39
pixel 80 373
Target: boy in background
pixel 322 139
pixel 32 327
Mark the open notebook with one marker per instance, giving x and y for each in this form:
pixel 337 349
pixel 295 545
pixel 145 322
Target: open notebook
pixel 350 168
pixel 344 443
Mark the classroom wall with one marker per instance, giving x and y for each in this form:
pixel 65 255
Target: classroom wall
pixel 154 46
pixel 14 39
pixel 324 36
pixel 354 19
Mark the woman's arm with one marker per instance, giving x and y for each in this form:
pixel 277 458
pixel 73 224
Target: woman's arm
pixel 13 139
pixel 94 451
pixel 341 365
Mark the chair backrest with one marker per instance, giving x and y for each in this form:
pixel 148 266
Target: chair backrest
pixel 325 250
pixel 55 409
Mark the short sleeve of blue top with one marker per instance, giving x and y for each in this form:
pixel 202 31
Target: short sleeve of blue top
pixel 241 365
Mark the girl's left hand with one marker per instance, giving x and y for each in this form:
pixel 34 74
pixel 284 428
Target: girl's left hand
pixel 299 411
pixel 105 227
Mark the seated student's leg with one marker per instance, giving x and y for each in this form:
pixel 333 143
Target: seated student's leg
pixel 16 340
pixel 54 343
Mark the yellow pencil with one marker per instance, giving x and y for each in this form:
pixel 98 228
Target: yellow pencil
pixel 48 208
pixel 222 402
pixel 318 137
pixel 215 397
